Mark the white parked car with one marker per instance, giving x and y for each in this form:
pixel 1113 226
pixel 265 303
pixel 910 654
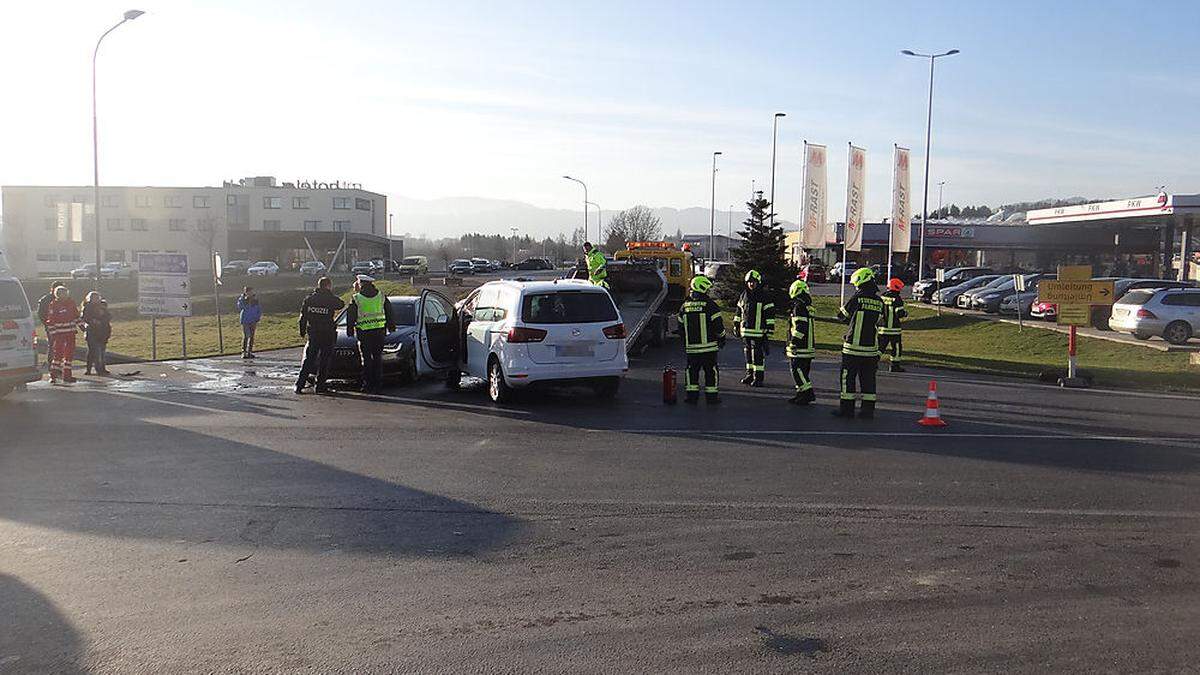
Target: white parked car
pixel 263 268
pixel 516 334
pixel 116 270
pixel 312 268
pixel 1172 313
pixel 18 360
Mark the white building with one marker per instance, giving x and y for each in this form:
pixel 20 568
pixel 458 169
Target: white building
pixel 49 230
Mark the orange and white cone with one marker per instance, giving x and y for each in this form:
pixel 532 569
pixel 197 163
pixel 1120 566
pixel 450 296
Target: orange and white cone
pixel 932 417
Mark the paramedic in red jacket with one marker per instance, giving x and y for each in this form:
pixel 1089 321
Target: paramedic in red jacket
pixel 62 322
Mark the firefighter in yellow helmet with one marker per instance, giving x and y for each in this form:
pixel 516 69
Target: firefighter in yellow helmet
pixel 754 322
pixel 800 347
pixel 597 266
pixel 703 338
pixel 860 346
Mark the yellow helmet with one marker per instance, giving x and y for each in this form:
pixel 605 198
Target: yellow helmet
pixel 753 274
pixel 701 283
pixel 798 286
pixel 861 276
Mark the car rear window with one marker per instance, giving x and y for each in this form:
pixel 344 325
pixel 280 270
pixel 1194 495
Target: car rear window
pixel 1136 297
pixel 13 304
pixel 567 307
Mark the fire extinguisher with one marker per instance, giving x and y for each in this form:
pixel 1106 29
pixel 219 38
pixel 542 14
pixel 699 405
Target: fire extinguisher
pixel 668 384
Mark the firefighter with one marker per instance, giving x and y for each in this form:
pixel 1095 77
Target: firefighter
pixel 800 348
pixel 754 322
pixel 703 338
pixel 62 322
pixel 889 325
pixel 318 325
pixel 597 266
pixel 860 346
pixel 369 315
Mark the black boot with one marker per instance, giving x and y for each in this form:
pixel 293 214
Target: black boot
pixel 806 397
pixel 868 410
pixel 795 398
pixel 758 379
pixel 896 368
pixel 748 378
pixel 846 410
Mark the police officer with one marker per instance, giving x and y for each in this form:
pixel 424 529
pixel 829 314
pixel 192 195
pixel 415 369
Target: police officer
pixel 369 315
pixel 860 346
pixel 703 338
pixel 597 266
pixel 800 347
pixel 754 322
pixel 317 316
pixel 889 324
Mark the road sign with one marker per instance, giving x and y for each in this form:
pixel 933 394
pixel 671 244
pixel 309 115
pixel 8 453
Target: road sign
pixel 1019 282
pixel 1075 273
pixel 1076 292
pixel 164 288
pixel 941 275
pixel 1075 315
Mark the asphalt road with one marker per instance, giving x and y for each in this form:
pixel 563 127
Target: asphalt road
pixel 206 519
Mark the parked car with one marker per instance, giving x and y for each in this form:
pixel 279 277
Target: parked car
pixel 517 334
pixel 18 359
pixel 461 266
pixel 1172 313
pixel 414 265
pixel 312 268
pixel 368 267
pixel 399 346
pixel 948 297
pixel 481 266
pixel 1022 302
pixel 966 299
pixel 720 271
pixel 263 268
pixel 117 270
pixel 814 273
pixel 532 264
pixel 839 271
pixel 235 268
pixel 1102 313
pixel 989 301
pixel 923 290
pixel 87 271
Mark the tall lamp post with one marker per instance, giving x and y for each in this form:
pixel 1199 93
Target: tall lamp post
pixel 928 130
pixel 585 204
pixel 129 15
pixel 729 244
pixel 599 225
pixel 712 210
pixel 941 184
pixel 514 236
pixel 774 138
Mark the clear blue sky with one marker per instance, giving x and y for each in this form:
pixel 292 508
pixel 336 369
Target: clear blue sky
pixel 500 99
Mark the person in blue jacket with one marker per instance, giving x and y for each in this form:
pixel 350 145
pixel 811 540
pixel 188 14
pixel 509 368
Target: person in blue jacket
pixel 250 313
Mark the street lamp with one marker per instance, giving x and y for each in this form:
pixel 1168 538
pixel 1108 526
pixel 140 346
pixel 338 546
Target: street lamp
pixel 514 235
pixel 729 244
pixel 928 130
pixel 941 184
pixel 599 234
pixel 712 209
pixel 129 15
pixel 585 203
pixel 774 138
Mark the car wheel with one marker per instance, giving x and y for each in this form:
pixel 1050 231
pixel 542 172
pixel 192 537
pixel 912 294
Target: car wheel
pixel 1177 332
pixel 607 387
pixel 1141 336
pixel 498 389
pixel 408 371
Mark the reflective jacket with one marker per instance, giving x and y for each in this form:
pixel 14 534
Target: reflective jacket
pixel 755 315
pixel 703 328
pixel 801 330
pixel 597 266
pixel 317 316
pixel 62 317
pixel 862 313
pixel 356 309
pixel 893 312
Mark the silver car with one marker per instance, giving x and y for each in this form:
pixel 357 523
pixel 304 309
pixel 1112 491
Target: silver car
pixel 948 296
pixel 1172 313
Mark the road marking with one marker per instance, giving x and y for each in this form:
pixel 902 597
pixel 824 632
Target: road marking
pixel 915 434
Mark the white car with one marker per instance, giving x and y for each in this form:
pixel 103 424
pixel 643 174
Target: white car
pixel 517 334
pixel 116 270
pixel 312 268
pixel 18 359
pixel 263 268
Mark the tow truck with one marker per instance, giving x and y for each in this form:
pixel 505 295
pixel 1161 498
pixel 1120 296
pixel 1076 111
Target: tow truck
pixel 648 281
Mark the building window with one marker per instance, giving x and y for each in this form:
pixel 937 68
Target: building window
pixel 271 225
pixel 68 257
pixel 341 226
pixel 177 225
pixel 341 202
pixel 115 224
pixel 299 202
pixel 173 202
pixel 272 202
pixel 47 256
pixel 50 223
pixel 201 202
pixel 362 204
pixel 312 225
pixel 204 224
pixel 50 200
pixel 111 255
pixel 110 201
pixel 231 200
pixel 138 224
pixel 142 201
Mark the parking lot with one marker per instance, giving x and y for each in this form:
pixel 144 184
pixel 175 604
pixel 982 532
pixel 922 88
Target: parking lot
pixel 225 524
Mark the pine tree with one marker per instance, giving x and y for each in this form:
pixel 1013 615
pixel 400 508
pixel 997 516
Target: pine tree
pixel 762 249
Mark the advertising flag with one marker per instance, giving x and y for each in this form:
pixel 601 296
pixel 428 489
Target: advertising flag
pixel 856 188
pixel 813 209
pixel 901 235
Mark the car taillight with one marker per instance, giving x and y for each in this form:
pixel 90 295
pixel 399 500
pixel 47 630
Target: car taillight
pixel 615 331
pixel 519 334
pixel 1145 314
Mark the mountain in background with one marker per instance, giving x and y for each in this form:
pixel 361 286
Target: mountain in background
pixel 455 216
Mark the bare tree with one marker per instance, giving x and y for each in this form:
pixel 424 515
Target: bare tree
pixel 636 224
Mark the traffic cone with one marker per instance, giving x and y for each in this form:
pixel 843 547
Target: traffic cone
pixel 932 417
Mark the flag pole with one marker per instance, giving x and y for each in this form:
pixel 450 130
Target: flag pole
pixel 846 225
pixel 892 223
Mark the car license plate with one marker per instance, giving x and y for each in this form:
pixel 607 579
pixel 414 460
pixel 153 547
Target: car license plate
pixel 1120 312
pixel 575 350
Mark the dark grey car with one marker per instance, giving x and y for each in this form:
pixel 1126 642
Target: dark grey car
pixel 399 347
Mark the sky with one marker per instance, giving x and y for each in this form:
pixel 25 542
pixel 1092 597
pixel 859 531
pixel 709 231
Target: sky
pixel 428 100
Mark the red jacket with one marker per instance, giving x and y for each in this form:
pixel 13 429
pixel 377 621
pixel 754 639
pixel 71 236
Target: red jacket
pixel 62 316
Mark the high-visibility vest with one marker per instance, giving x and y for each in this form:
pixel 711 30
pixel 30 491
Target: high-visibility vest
pixel 862 312
pixel 800 335
pixel 597 266
pixel 702 325
pixel 370 312
pixel 893 311
pixel 755 316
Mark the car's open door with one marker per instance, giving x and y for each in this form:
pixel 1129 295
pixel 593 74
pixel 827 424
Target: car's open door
pixel 436 333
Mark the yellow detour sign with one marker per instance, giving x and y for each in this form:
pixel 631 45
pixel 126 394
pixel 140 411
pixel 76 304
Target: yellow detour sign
pixel 1075 273
pixel 1075 315
pixel 1076 292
